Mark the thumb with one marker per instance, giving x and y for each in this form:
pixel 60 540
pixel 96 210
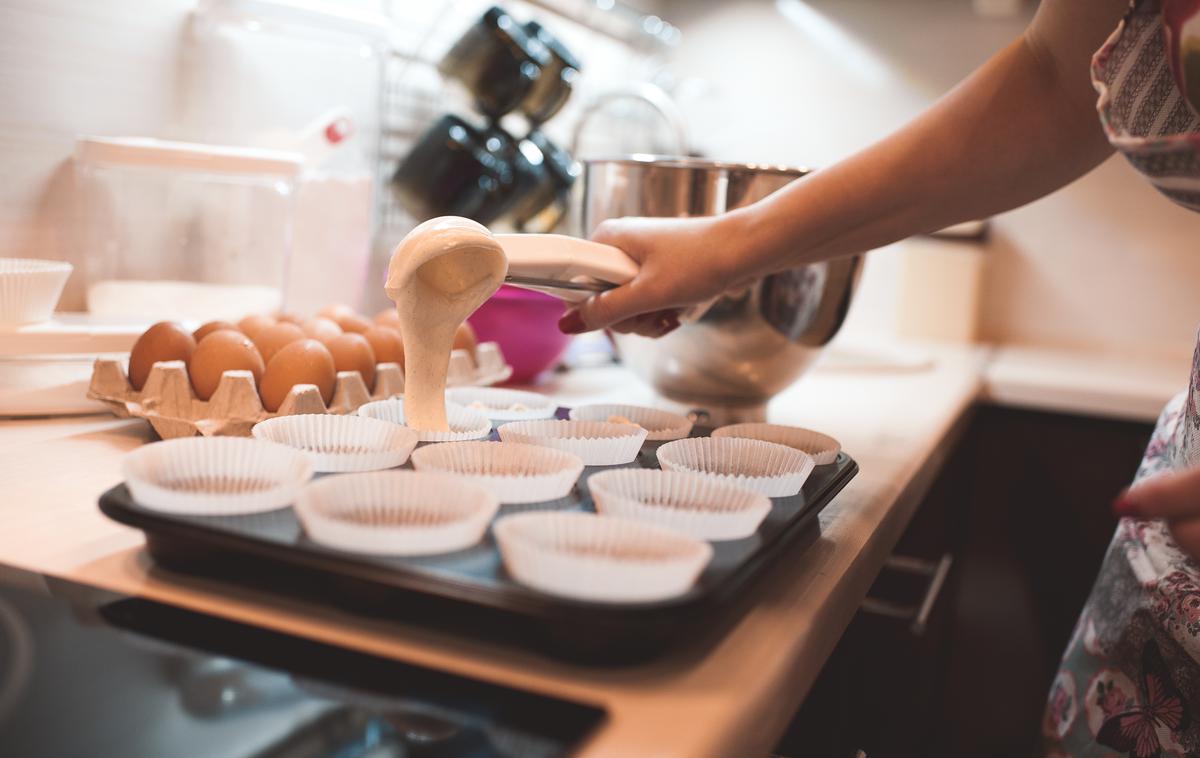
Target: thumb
pixel 1170 496
pixel 607 308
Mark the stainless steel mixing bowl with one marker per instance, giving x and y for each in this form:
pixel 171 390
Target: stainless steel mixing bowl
pixel 750 344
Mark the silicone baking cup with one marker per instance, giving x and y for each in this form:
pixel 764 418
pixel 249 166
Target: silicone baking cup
pixel 659 425
pixel 395 512
pixel 216 476
pixel 693 504
pixel 599 558
pixel 341 443
pixel 512 471
pixel 823 448
pixel 502 404
pixel 772 469
pixel 598 443
pixel 465 423
pixel 30 288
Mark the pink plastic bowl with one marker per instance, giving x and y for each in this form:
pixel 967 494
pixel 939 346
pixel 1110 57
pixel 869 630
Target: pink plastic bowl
pixel 525 323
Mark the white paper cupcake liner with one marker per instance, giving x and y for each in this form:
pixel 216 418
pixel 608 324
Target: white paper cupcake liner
pixel 395 512
pixel 512 471
pixel 598 443
pixel 216 476
pixel 341 443
pixel 30 288
pixel 659 425
pixel 502 404
pixel 823 448
pixel 772 469
pixel 599 558
pixel 693 504
pixel 465 423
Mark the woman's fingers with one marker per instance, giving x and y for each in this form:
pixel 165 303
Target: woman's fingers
pixel 654 324
pixel 658 324
pixel 1174 497
pixel 1186 533
pixel 622 233
pixel 1170 496
pixel 610 307
pixel 681 261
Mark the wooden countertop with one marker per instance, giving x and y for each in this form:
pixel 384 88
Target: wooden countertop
pixel 734 699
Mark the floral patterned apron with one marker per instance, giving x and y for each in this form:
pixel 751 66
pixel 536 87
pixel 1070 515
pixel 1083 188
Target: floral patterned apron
pixel 1129 682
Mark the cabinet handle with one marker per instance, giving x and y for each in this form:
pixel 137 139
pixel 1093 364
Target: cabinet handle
pixel 918 615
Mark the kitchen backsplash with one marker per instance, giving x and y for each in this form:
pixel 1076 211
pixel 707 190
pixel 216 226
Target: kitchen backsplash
pixel 1105 264
pixel 72 67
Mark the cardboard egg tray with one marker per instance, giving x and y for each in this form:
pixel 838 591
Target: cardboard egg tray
pixel 169 403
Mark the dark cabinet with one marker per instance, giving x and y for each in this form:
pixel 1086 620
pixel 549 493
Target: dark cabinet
pixel 1022 510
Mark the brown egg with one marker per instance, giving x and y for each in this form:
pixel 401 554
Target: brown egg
pixel 386 343
pixel 271 339
pixel 464 339
pixel 388 317
pixel 345 317
pixel 354 323
pixel 352 352
pixel 290 318
pixel 213 326
pixel 321 329
pixel 165 341
pixel 335 311
pixel 220 352
pixel 303 362
pixel 252 325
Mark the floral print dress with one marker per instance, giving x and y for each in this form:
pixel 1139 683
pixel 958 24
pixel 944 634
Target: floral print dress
pixel 1129 682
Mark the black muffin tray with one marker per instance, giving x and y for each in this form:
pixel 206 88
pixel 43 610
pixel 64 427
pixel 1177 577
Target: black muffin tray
pixel 468 592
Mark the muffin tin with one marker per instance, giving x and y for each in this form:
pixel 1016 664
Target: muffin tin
pixel 468 591
pixel 169 403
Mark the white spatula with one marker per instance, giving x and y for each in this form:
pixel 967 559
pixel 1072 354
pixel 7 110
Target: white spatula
pixel 569 268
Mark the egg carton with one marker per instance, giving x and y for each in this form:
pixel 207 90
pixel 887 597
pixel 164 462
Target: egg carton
pixel 169 403
pixel 488 368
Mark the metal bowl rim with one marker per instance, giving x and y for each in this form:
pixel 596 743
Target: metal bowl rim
pixel 685 162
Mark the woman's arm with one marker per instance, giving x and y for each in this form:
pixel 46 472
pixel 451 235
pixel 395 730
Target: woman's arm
pixel 1020 127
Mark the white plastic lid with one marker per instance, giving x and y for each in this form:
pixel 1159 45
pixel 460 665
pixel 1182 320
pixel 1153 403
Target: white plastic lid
pixel 323 15
pixel 73 334
pixel 186 156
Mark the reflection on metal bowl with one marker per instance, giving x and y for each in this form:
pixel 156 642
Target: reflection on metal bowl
pixel 751 344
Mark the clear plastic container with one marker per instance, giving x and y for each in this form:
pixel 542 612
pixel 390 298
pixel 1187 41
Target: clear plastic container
pixel 173 230
pixel 271 74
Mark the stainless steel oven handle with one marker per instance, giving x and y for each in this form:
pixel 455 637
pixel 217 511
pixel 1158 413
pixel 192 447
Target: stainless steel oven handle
pixel 918 615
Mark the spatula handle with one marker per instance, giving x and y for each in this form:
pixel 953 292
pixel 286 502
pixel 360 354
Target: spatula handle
pixel 563 258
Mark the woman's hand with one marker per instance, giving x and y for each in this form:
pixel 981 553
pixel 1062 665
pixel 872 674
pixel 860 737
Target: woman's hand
pixel 682 262
pixel 1174 497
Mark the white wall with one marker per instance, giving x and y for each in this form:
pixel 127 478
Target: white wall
pixel 119 68
pixel 69 67
pixel 1105 264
